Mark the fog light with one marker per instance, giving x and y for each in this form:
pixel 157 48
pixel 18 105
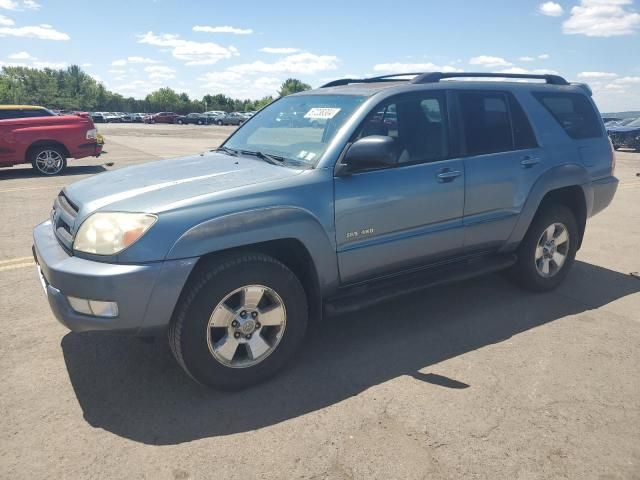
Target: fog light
pixel 96 308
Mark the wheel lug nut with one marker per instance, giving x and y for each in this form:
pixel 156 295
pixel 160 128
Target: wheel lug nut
pixel 248 337
pixel 243 314
pixel 254 314
pixel 236 335
pixel 235 324
pixel 258 325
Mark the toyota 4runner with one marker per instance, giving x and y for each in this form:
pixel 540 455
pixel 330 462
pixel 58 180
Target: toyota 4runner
pixel 382 186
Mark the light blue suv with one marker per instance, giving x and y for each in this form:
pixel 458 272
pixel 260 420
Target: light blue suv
pixel 371 188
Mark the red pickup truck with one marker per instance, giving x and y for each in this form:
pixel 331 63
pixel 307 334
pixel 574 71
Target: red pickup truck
pixel 38 136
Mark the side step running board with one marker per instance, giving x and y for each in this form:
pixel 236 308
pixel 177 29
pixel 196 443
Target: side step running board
pixel 356 298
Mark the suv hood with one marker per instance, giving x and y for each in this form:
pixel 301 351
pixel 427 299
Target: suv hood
pixel 153 187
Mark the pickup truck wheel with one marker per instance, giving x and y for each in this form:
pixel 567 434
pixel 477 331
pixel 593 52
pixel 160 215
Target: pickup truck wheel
pixel 48 160
pixel 239 322
pixel 548 250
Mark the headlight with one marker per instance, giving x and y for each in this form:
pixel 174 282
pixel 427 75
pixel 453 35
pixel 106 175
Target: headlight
pixel 107 233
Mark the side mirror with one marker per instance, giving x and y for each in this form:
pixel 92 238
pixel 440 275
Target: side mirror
pixel 374 151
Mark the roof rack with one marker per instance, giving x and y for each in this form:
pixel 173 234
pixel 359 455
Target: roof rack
pixel 382 78
pixel 434 77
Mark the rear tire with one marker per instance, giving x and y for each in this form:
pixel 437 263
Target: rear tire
pixel 48 160
pixel 219 122
pixel 216 334
pixel 548 250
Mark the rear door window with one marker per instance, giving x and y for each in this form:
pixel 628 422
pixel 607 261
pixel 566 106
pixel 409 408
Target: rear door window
pixel 485 122
pixel 523 136
pixel 574 112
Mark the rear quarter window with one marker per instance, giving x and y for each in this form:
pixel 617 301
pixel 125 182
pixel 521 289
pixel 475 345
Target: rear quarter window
pixel 7 114
pixel 24 113
pixel 574 112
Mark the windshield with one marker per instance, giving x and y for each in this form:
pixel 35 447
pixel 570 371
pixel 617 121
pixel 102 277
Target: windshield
pixel 297 128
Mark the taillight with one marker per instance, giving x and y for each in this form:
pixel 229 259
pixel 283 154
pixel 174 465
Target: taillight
pixel 92 134
pixel 613 158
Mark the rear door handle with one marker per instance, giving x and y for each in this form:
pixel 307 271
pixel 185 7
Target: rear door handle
pixel 528 162
pixel 447 175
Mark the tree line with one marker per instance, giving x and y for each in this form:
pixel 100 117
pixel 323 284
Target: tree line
pixel 73 89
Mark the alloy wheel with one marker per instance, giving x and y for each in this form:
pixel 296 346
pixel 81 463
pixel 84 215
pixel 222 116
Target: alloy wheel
pixel 552 250
pixel 49 162
pixel 246 326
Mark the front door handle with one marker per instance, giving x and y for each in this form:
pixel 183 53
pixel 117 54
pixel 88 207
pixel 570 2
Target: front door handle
pixel 447 175
pixel 528 162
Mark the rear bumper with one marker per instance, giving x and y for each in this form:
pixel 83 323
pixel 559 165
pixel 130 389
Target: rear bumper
pixel 87 150
pixel 603 192
pixel 146 294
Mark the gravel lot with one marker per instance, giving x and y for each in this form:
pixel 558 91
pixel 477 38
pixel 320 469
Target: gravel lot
pixel 473 380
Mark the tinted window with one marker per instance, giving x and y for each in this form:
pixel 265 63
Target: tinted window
pixel 573 112
pixel 419 125
pixel 485 120
pixel 24 113
pixel 6 114
pixel 37 113
pixel 523 135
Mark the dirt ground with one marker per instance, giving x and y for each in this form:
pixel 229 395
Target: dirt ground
pixel 477 380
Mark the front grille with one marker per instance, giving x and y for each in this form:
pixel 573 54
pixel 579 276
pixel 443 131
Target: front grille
pixel 63 218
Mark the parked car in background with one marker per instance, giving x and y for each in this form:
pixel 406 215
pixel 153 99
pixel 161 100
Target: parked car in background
pixel 161 117
pixel 233 118
pixel 610 119
pixel 98 117
pixel 37 136
pixel 625 136
pixel 112 117
pixel 620 122
pixel 212 117
pixel 232 254
pixel 192 118
pixel 215 113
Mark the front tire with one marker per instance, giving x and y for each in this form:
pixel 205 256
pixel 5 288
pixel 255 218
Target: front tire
pixel 548 250
pixel 239 321
pixel 48 160
pixel 219 122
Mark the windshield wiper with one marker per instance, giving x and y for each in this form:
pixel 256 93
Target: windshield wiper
pixel 272 159
pixel 228 151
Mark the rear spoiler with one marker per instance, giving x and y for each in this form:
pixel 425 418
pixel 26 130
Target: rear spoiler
pixel 584 86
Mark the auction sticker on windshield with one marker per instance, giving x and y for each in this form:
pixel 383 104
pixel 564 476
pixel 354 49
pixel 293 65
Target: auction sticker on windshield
pixel 319 113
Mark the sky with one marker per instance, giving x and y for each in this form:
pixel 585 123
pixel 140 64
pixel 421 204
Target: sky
pixel 246 49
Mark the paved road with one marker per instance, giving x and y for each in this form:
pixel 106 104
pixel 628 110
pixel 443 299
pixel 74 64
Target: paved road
pixel 474 380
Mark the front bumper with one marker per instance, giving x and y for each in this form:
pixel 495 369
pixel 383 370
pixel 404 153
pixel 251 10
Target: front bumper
pixel 146 294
